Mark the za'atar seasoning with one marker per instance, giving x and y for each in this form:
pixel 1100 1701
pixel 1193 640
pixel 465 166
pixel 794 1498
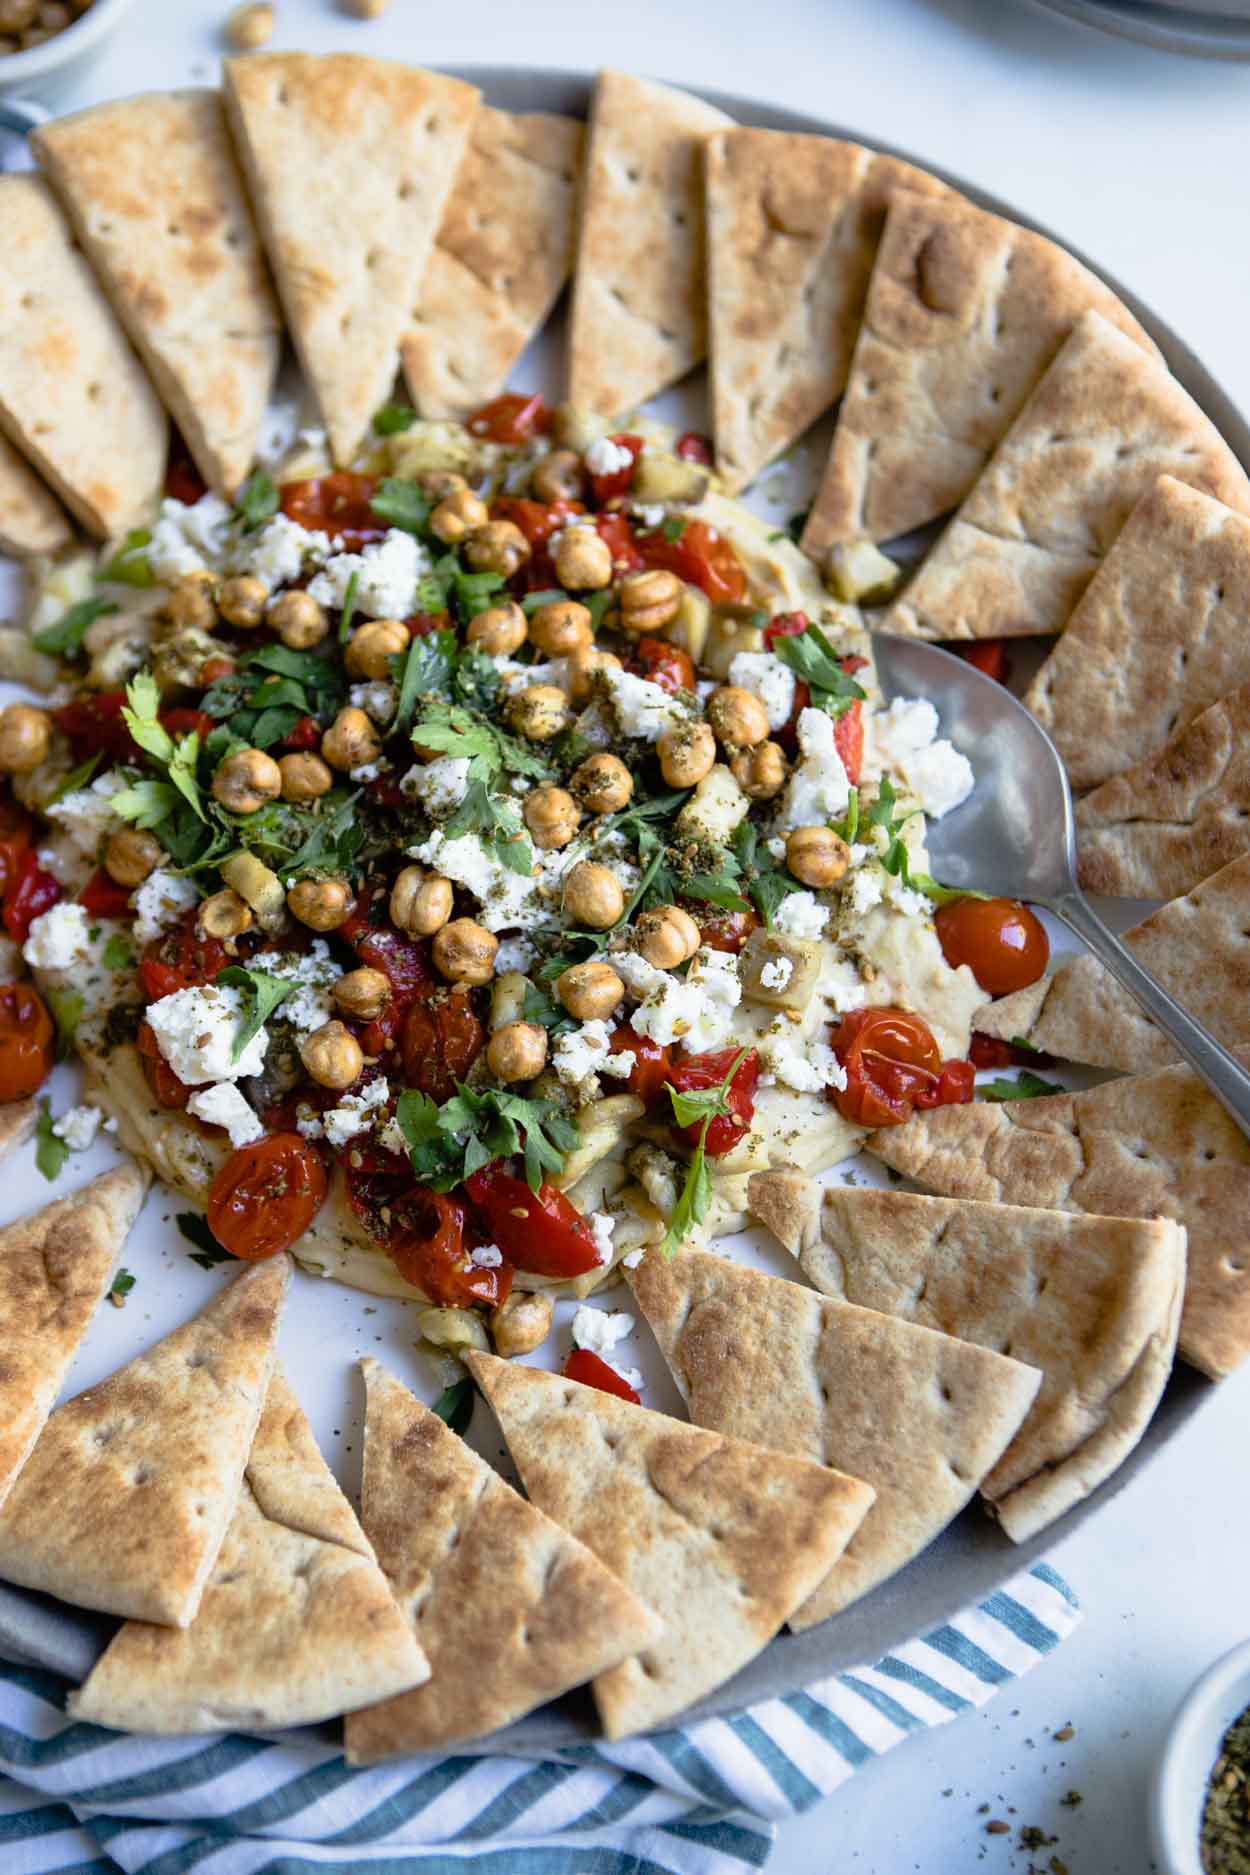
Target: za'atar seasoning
pixel 1225 1838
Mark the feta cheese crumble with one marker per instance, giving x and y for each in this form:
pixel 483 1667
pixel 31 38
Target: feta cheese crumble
pixel 79 1127
pixel 162 899
pixel 281 551
pixel 599 1330
pixel 767 678
pixel 439 785
pixel 223 1105
pixel 586 1051
pixel 58 939
pixel 86 816
pixel 696 1010
pixel 354 1112
pixel 641 708
pixel 506 899
pixel 776 973
pixel 387 573
pixel 808 1067
pixel 605 457
pixel 603 1229
pixel 818 789
pixel 801 915
pixel 188 537
pixel 377 698
pixel 196 1030
pixel 905 738
pixel 314 973
pixel 487 1256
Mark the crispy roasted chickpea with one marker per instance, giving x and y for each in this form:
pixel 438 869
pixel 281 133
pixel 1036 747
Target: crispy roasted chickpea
pixel 760 772
pixel 250 26
pixel 298 619
pixel 25 738
pixel 371 646
pixel 457 514
pixel 517 1051
pixel 437 484
pixel 246 781
pixel 521 1323
pixel 558 477
pixel 552 816
pixel 737 716
pixel 538 712
pixel 648 600
pixel 305 777
pixel 687 753
pixel 583 562
pixel 18 16
pixel 224 915
pixel 817 855
pixel 593 896
pixel 131 855
pixel 561 628
pixel 602 784
pixel 499 631
pixel 590 991
pixel 332 1055
pixel 667 936
pixel 351 741
pixel 190 604
pixel 241 601
pixel 362 994
pixel 584 666
pixel 464 952
pixel 420 902
pixel 497 547
pixel 321 904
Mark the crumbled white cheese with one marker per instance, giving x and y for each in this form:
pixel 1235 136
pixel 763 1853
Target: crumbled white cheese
pixel 767 678
pixel 387 573
pixel 369 771
pixel 776 973
pixel 280 551
pixel 776 846
pixel 696 1010
pixel 839 983
pixel 439 785
pixel 86 816
pixel 587 1051
pixel 605 457
pixel 641 708
pixel 514 953
pixel 864 888
pixel 487 1256
pixel 308 1122
pixel 905 738
pixel 632 1258
pixel 186 539
pixel 78 1127
pixel 196 1031
pixel 162 899
pixel 506 899
pixel 58 938
pixel 818 788
pixel 801 915
pixel 601 1329
pixel 513 675
pixel 603 1229
pixel 378 699
pixel 391 1138
pixel 314 973
pixel 223 1105
pixel 650 514
pixel 354 1112
pixel 806 1066
pixel 940 778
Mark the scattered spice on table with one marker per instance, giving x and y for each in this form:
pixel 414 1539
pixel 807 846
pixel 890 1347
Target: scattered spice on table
pixel 1225 1840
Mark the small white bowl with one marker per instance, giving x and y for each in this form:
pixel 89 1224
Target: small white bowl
pixel 53 67
pixel 1180 1786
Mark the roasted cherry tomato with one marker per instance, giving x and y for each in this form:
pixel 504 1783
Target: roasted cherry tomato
pixel 303 735
pixel 184 722
pixel 1003 943
pixel 617 482
pixel 512 418
pixel 441 1040
pixel 421 624
pixel 692 447
pixel 892 1067
pixel 404 962
pixel 625 550
pixel 181 959
pixel 29 891
pixel 537 520
pixel 339 505
pixel 167 1089
pixel 266 1195
pixel 95 723
pixel 702 556
pixel 848 740
pixel 662 663
pixel 27 1041
pixel 183 481
pixel 989 657
pixel 538 1231
pixel 585 1366
pixel 102 897
pixel 719 929
pixel 649 1075
pixel 987 1051
pixel 427 1238
pixel 696 1072
pixel 785 625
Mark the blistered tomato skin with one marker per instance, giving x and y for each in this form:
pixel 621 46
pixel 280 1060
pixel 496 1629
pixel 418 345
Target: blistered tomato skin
pixel 511 419
pixel 649 1074
pixel 339 505
pixel 585 1365
pixel 266 1195
pixel 1002 942
pixel 697 1073
pixel 540 1232
pixel 669 666
pixel 27 1041
pixel 440 1042
pixel 893 1066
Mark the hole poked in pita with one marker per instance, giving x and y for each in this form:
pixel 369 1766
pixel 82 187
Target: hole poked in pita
pixel 648 1666
pixel 996 393
pixel 173 231
pixel 632 174
pixel 1235 1265
pixel 956 1472
pixel 1217 592
pixel 143 1474
pixel 104 1435
pixel 431 125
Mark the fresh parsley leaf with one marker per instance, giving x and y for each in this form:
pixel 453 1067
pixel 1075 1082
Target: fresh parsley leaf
pixel 449 1143
pixel 76 778
pixel 123 1283
pixel 498 827
pixel 129 565
pixel 476 679
pixel 455 1405
pixel 533 600
pixel 895 859
pixel 401 504
pixel 1026 1086
pixel 265 993
pixel 428 665
pixel 766 884
pixel 848 826
pixel 145 802
pixel 452 730
pixel 674 527
pixel 539 1008
pixel 64 639
pixel 597 603
pixel 434 1155
pixel 142 719
pixel 256 501
pixel 50 1152
pixel 475 592
pixel 67 1007
pixel 778 533
pixel 349 608
pixel 208 1252
pixel 715 888
pixel 811 657
pixel 393 419
pixel 334 836
pixel 702 1104
pixel 118 953
pixel 796 524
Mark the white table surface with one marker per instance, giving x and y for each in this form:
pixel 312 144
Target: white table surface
pixel 1140 158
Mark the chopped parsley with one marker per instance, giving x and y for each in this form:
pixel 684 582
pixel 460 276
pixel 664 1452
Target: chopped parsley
pixel 765 882
pixel 51 1152
pixel 118 953
pixel 129 565
pixel 64 639
pixel 1026 1086
pixel 67 1007
pixel 349 608
pixel 256 502
pixel 448 1144
pixel 141 716
pixel 895 859
pixel 123 1283
pixel 393 419
pixel 811 657
pixel 698 1108
pixel 208 1253
pixel 455 1404
pixel 401 504
pixel 262 994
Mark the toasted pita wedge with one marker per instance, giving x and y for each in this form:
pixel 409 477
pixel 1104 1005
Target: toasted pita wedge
pixel 124 1501
pixel 1159 634
pixel 55 1266
pixel 793 223
pixel 449 1532
pixel 73 396
pixel 1151 1145
pixel 17 1123
pixel 502 256
pixel 1094 1303
pixel 724 1541
pixel 31 519
pixel 1103 424
pixel 297 1623
pixel 919 1416
pixel 350 161
pixel 639 316
pixel 964 313
pixel 154 193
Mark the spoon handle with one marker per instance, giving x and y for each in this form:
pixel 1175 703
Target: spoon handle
pixel 1227 1079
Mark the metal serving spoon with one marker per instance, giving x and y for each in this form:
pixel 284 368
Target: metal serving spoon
pixel 1015 837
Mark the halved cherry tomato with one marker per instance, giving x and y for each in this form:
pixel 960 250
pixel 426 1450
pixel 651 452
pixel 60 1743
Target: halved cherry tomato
pixel 1003 943
pixel 696 1072
pixel 338 504
pixel 617 482
pixel 785 625
pixel 662 663
pixel 719 929
pixel 425 1233
pixel 702 556
pixel 692 447
pixel 585 1366
pixel 167 1089
pixel 29 891
pixel 406 965
pixel 182 722
pixel 266 1195
pixel 893 1066
pixel 649 1074
pixel 989 657
pixel 539 1232
pixel 441 1040
pixel 181 959
pixel 303 735
pixel 513 418
pixel 95 723
pixel 102 897
pixel 537 520
pixel 987 1051
pixel 27 1041
pixel 626 552
pixel 421 624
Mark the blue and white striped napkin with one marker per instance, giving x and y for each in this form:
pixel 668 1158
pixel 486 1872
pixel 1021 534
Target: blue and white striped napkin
pixel 78 1800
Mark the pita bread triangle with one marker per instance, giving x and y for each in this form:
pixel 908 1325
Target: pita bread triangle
pixel 124 1501
pixel 1093 1303
pixel 31 518
pixel 18 1119
pixel 792 226
pixel 502 256
pixel 55 1266
pixel 350 162
pixel 724 1541
pixel 1159 634
pixel 73 396
pixel 482 1576
pixel 154 192
pixel 919 1416
pixel 639 315
pixel 1149 1145
pixel 1197 946
pixel 1105 421
pixel 964 313
pixel 297 1623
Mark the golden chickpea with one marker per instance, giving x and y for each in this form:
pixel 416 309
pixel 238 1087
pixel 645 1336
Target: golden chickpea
pixel 224 915
pixel 585 666
pixel 561 628
pixel 760 772
pixel 497 547
pixel 538 712
pixel 558 477
pixel 351 741
pixel 305 777
pixel 18 16
pixel 649 600
pixel 499 631
pixel 370 648
pixel 602 784
pixel 464 952
pixel 817 855
pixel 321 904
pixel 362 994
pixel 457 514
pixel 437 484
pixel 131 855
pixel 190 604
pixel 298 619
pixel 521 1323
pixel 592 896
pixel 250 26
pixel 25 738
pixel 420 902
pixel 582 561
pixel 686 753
pixel 517 1051
pixel 246 781
pixel 737 716
pixel 667 936
pixel 590 991
pixel 552 817
pixel 332 1055
pixel 241 601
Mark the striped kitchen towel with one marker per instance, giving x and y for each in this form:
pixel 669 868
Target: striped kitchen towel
pixel 78 1800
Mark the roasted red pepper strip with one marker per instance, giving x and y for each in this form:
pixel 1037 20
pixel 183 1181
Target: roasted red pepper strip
pixel 586 1367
